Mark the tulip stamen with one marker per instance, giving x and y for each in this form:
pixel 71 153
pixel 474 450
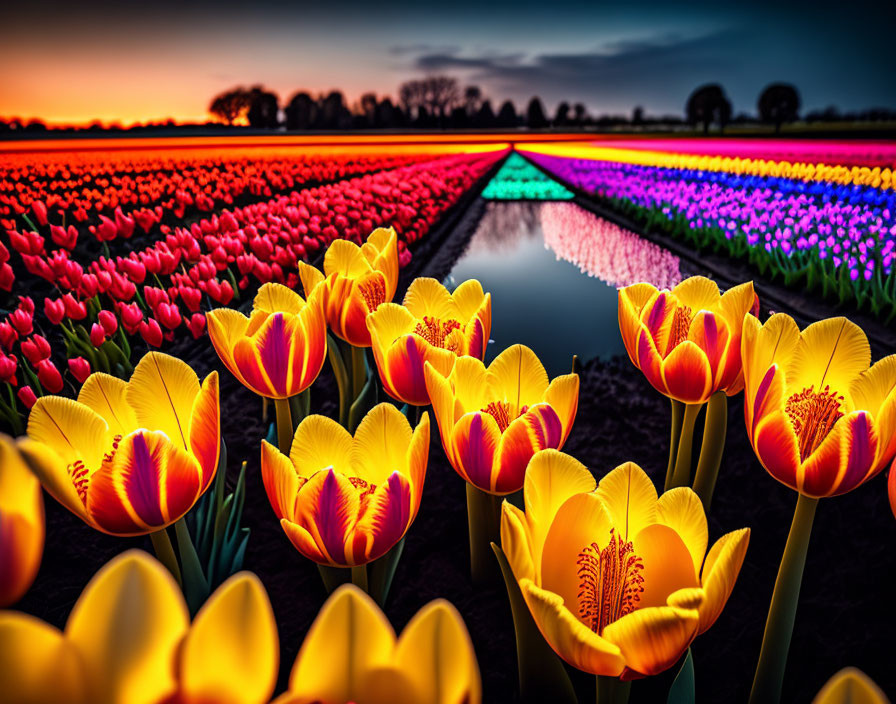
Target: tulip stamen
pixel 813 414
pixel 500 411
pixel 364 488
pixel 438 333
pixel 374 292
pixel 80 475
pixel 610 582
pixel 681 325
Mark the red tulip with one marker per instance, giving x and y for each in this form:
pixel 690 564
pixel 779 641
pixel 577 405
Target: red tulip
pixel 26 303
pixel 40 212
pixel 36 349
pixel 49 376
pixel 124 224
pixel 8 335
pixel 27 397
pixel 151 332
pixel 54 310
pixel 74 309
pixel 22 321
pixel 109 322
pixel 131 316
pixel 196 325
pixel 80 368
pixel 97 335
pixel 191 297
pixel 8 366
pixel 168 314
pixel 7 277
pixel 63 237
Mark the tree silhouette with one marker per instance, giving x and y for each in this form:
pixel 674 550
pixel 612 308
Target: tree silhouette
pixel 485 117
pixel 535 114
pixel 472 99
pixel 579 113
pixel 332 113
pixel 779 103
pixel 562 116
pixel 231 105
pixel 708 104
pixel 507 116
pixel 263 109
pixel 301 112
pixel 638 115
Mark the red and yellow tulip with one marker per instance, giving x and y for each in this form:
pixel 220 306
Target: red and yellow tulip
pixel 129 458
pixel 493 419
pixel 351 654
pixel 611 572
pixel 686 341
pixel 820 419
pixel 129 640
pixel 280 349
pixel 344 501
pixel 432 326
pixel 21 524
pixel 355 282
pixel 850 686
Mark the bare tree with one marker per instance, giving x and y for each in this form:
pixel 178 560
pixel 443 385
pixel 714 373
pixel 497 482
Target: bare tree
pixel 231 105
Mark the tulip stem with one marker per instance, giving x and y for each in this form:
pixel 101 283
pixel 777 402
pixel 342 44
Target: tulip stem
pixel 484 520
pixel 769 676
pixel 161 544
pixel 612 690
pixel 674 437
pixel 284 425
pixel 342 381
pixel 681 476
pixel 359 576
pixel 714 431
pixel 359 370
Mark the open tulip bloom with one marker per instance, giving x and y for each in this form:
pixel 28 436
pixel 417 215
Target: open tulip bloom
pixel 823 422
pixel 432 326
pixel 351 654
pixel 21 524
pixel 617 579
pixel 346 501
pixel 492 421
pixel 278 351
pixel 686 341
pixel 129 640
pixel 129 458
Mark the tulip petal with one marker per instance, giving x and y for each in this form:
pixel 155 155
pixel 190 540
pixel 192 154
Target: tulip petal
pixel 344 257
pixel 70 429
pixel 37 665
pixel 698 293
pixel 710 333
pixel 389 322
pixel 875 391
pixel 657 317
pixel 668 566
pixel 380 444
pixel 475 441
pixel 127 626
pixel 571 639
pixel 631 302
pixel 681 510
pixel 416 459
pixel 441 396
pixel 563 396
pixel 277 298
pixel 552 477
pixel 149 484
pixel 651 640
pixel 687 374
pixel 469 379
pixel 281 482
pixel 205 429
pixel 720 573
pixel 264 359
pixel 630 499
pixel 776 447
pixel 516 542
pixel 384 519
pixel 831 352
pixel 311 276
pixel 539 428
pixel 304 542
pixel 231 653
pixel 349 637
pixel 844 460
pixel 850 686
pixel 477 330
pixel 327 507
pixel 436 653
pixel 426 297
pixel 225 327
pixel 468 298
pixel 162 391
pixel 517 377
pixel 321 443
pixel 49 468
pixel 107 395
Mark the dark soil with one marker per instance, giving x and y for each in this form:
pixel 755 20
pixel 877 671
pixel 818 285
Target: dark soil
pixel 847 609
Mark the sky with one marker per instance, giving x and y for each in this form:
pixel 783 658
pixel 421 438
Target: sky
pixel 126 61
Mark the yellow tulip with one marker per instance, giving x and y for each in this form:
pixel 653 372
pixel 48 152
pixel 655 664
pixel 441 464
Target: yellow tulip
pixel 432 326
pixel 492 420
pixel 129 458
pixel 129 640
pixel 344 501
pixel 612 573
pixel 355 282
pixel 21 524
pixel 351 654
pixel 850 686
pixel 280 349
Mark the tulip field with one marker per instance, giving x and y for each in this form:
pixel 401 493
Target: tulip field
pixel 447 420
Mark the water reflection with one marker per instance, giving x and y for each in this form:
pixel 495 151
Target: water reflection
pixel 523 253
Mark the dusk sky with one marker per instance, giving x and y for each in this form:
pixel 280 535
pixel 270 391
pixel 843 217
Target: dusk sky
pixel 68 62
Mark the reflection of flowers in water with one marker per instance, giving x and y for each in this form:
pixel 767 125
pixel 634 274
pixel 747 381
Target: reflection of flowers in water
pixel 503 226
pixel 600 248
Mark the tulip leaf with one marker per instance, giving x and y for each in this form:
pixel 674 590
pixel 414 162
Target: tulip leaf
pixel 542 675
pixel 365 401
pixel 342 380
pixel 682 690
pixel 196 589
pixel 382 572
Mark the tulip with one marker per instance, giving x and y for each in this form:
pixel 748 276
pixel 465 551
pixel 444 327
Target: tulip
pixel 22 321
pixel 151 332
pixel 8 366
pixel 687 343
pixel 49 377
pixel 432 326
pixel 8 336
pixel 617 579
pixel 54 310
pixel 97 335
pixel 26 396
pixel 129 458
pixel 355 282
pixel 80 368
pixel 108 321
pixel 345 501
pixel 128 640
pixel 850 686
pixel 821 420
pixel 351 654
pixel 36 348
pixel 21 524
